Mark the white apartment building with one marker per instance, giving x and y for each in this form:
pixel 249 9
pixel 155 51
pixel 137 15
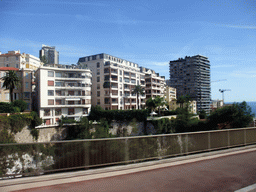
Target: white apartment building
pixel 155 84
pixel 113 81
pixel 62 90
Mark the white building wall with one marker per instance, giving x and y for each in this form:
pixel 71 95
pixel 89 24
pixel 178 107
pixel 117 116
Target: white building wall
pixel 63 92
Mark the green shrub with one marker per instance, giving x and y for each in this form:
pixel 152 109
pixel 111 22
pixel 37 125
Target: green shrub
pixel 20 104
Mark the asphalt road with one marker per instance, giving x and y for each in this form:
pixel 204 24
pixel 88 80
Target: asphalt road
pixel 228 173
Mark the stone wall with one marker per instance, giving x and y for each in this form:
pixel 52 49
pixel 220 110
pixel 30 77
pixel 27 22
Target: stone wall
pixel 45 135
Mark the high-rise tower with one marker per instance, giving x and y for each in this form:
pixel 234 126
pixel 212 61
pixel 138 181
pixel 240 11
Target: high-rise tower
pixel 191 76
pixel 51 55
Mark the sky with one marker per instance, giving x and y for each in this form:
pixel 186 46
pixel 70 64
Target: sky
pixel 148 32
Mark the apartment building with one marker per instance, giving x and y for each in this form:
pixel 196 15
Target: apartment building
pixel 216 104
pixel 51 55
pixel 191 76
pixel 155 84
pixel 173 105
pixel 19 60
pixel 170 94
pixel 62 90
pixel 113 81
pixel 25 65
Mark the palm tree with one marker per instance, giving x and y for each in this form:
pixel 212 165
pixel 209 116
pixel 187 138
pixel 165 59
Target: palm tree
pixel 160 102
pixel 138 90
pixel 11 81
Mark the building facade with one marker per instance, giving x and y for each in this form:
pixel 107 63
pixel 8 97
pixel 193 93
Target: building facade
pixel 170 94
pixel 191 76
pixel 113 81
pixel 51 55
pixel 216 104
pixel 173 105
pixel 62 90
pixel 24 65
pixel 19 60
pixel 155 84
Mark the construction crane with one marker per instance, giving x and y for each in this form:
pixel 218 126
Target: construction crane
pixel 219 80
pixel 222 91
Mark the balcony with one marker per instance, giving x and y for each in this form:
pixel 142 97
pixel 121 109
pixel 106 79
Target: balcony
pixel 72 86
pixel 75 77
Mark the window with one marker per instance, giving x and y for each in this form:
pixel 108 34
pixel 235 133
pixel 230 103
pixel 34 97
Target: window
pixel 47 121
pixel 27 66
pixel 98 65
pixel 58 84
pixel 94 57
pixel 85 110
pixel 26 95
pixel 121 93
pixel 50 92
pixel 7 59
pixel 58 102
pixel 58 74
pixel 50 74
pixel 98 79
pixel 17 58
pixel 26 75
pixel 71 111
pixel 50 102
pixel 57 111
pixel 98 71
pixel 98 86
pixel 98 93
pixel 26 85
pixel 120 72
pixel 98 101
pixel 120 79
pixel 47 112
pixel 50 83
pixel 17 65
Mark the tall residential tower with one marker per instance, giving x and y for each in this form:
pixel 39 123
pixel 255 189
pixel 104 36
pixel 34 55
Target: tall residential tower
pixel 191 76
pixel 51 55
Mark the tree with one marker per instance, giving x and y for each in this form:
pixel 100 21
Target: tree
pixel 21 104
pixel 43 59
pixel 238 115
pixel 159 102
pixel 11 81
pixel 150 103
pixel 184 99
pixel 202 114
pixel 138 90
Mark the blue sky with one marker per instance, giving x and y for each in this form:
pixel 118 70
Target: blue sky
pixel 150 33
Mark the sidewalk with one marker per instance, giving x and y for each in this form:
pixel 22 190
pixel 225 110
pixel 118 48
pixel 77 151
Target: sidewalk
pixel 70 177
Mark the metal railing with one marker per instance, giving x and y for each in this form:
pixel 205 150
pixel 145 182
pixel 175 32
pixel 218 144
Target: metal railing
pixel 39 158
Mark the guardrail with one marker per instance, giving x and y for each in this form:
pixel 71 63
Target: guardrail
pixel 39 158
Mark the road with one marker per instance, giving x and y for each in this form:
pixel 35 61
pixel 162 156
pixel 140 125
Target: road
pixel 228 173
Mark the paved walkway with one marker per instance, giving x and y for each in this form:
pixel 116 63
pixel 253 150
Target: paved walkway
pixel 226 170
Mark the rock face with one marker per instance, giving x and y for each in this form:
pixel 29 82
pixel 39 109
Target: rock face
pixel 57 134
pixel 45 135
